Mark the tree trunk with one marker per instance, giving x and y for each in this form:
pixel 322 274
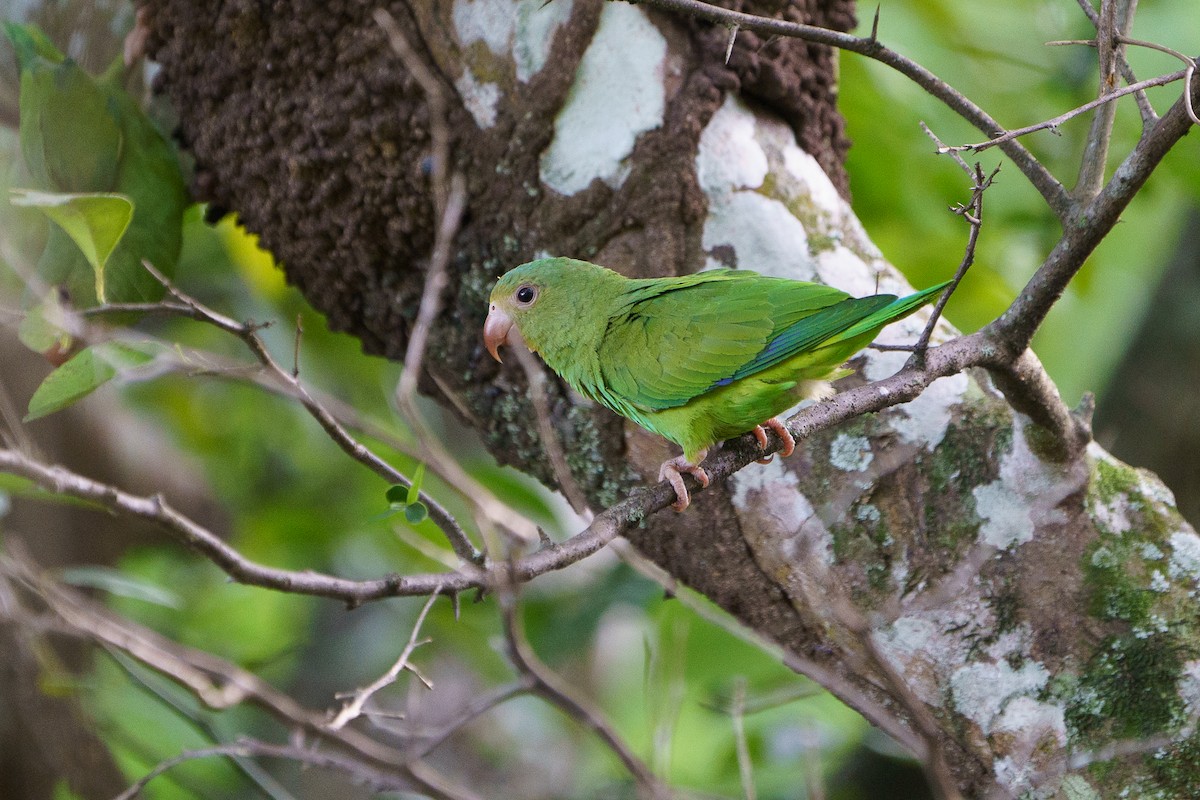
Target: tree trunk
pixel 1034 606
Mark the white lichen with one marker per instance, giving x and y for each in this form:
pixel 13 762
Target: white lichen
pixel 487 21
pixel 729 158
pixel 771 490
pixel 981 691
pixel 1185 556
pixel 1023 498
pixel 1189 688
pixel 617 95
pixel 851 453
pixel 480 99
pixel 734 158
pixel 537 22
pixel 763 234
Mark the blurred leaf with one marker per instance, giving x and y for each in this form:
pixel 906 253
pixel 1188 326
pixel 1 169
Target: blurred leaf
pixel 63 792
pixel 95 221
pixel 119 583
pixel 41 329
pixel 87 371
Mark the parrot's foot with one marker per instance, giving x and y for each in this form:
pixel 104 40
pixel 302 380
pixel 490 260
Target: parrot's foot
pixel 673 471
pixel 789 441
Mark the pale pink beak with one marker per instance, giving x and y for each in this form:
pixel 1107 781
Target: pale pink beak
pixel 495 331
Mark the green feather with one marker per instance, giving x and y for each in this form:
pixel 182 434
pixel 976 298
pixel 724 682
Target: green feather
pixel 695 359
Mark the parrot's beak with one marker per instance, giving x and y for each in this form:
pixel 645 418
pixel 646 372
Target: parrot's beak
pixel 495 331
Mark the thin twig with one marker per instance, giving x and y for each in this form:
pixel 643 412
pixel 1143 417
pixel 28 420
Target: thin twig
pixel 450 197
pixel 1189 70
pixel 477 707
pixel 538 392
pixel 439 128
pixel 738 716
pixel 216 682
pixel 1149 115
pixel 1094 160
pixel 353 709
pixel 1041 178
pixel 558 693
pixel 247 748
pixel 973 214
pixel 1008 136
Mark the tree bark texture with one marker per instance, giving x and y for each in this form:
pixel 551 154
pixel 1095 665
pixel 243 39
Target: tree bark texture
pixel 1035 607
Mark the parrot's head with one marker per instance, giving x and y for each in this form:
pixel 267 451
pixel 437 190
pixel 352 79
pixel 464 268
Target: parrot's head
pixel 546 301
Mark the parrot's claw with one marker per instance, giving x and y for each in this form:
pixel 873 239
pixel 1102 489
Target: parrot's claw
pixel 673 470
pixel 789 441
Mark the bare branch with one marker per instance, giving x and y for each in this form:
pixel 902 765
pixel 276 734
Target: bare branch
pixel 1049 187
pixel 738 715
pixel 1007 136
pixel 536 377
pixel 1189 70
pixel 554 690
pixel 1029 390
pixel 1017 325
pixel 246 748
pixel 353 709
pixel 477 707
pixel 248 333
pixel 1095 152
pixel 450 197
pixel 215 681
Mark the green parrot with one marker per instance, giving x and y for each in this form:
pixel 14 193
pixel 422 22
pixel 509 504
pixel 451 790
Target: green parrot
pixel 696 359
pixel 81 134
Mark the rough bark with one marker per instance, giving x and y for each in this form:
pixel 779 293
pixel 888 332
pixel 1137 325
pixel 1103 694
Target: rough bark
pixel 1036 606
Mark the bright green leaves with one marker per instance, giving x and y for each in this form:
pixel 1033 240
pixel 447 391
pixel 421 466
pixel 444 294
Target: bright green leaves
pixel 95 221
pixel 407 499
pixel 87 371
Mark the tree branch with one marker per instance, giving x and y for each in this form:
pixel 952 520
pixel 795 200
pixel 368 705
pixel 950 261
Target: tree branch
pixel 1051 190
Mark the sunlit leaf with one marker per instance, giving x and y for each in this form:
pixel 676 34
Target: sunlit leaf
pixel 95 221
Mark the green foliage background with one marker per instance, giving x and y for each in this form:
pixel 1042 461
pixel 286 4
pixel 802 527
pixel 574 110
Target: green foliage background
pixel 659 670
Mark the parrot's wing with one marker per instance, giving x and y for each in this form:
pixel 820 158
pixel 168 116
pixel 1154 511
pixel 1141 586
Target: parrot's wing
pixel 678 338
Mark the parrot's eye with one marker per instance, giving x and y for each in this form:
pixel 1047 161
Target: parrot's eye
pixel 526 295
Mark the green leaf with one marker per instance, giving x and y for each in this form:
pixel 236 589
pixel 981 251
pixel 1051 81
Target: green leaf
pixel 88 370
pixel 397 495
pixel 416 513
pixel 414 491
pixel 41 330
pixel 95 221
pixel 119 583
